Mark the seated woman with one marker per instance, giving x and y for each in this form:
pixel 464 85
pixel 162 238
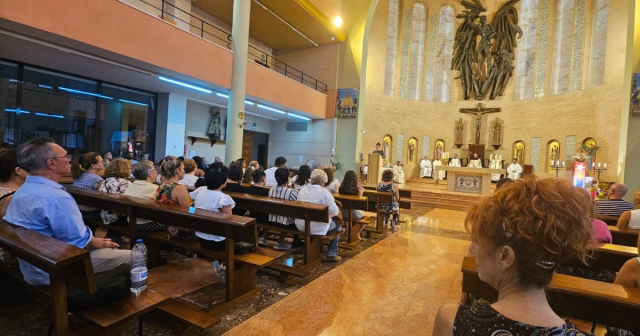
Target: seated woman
pixel 302 179
pixel 201 164
pixel 390 210
pixel 234 180
pixel 84 170
pixel 143 187
pixel 519 235
pixel 11 178
pixel 351 186
pixel 317 193
pixel 281 191
pixel 190 174
pixel 116 181
pixel 333 184
pixel 631 219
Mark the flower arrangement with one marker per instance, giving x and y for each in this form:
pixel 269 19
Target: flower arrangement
pixel 580 157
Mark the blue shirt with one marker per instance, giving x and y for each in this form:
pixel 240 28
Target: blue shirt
pixel 46 207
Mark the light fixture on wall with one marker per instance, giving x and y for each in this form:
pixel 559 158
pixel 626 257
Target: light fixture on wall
pixel 49 115
pixel 270 109
pixel 222 95
pixel 337 21
pixel 187 85
pixel 260 116
pixel 83 92
pixel 298 116
pixel 17 111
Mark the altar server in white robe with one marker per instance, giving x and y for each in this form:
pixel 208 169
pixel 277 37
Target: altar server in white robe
pixel 455 162
pixel 475 162
pixel 398 173
pixel 514 171
pixel 425 167
pixel 494 163
pixel 441 173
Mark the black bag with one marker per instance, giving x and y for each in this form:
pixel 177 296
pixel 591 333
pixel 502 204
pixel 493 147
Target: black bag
pixel 112 285
pixel 243 248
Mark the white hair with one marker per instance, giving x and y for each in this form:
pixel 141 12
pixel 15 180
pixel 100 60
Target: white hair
pixel 318 176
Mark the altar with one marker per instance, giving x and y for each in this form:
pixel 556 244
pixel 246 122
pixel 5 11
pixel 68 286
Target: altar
pixel 469 180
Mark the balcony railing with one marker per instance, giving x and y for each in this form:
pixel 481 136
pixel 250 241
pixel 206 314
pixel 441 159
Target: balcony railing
pixel 193 24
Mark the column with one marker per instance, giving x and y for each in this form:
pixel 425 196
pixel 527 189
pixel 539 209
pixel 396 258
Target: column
pixel 170 125
pixel 239 46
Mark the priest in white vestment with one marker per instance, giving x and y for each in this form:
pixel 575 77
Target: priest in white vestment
pixel 425 167
pixel 441 173
pixel 398 173
pixel 475 162
pixel 514 171
pixel 494 163
pixel 455 162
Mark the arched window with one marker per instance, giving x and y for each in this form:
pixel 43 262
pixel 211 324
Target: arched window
pixel 392 48
pixel 599 42
pixel 526 49
pixel 416 66
pixel 444 54
pixel 563 43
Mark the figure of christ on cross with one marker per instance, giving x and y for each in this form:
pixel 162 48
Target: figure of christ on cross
pixel 479 111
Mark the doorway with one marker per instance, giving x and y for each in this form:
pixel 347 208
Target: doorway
pixel 255 147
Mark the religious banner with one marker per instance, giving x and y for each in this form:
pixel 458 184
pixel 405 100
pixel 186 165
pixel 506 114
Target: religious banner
pixel 635 96
pixel 579 169
pixel 347 104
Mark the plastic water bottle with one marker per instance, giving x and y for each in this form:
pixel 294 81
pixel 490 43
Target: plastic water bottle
pixel 138 268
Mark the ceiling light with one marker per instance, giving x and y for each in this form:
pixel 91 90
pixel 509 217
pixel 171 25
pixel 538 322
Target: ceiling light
pixel 132 102
pixel 17 111
pixel 298 116
pixel 260 116
pixel 13 80
pixel 270 109
pixel 45 86
pixel 249 102
pixel 337 21
pixel 49 115
pixel 222 95
pixel 83 92
pixel 173 81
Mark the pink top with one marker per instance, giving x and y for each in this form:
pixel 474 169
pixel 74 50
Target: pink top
pixel 602 232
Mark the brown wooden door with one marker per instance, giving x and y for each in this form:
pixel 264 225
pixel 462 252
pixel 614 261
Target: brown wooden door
pixel 247 145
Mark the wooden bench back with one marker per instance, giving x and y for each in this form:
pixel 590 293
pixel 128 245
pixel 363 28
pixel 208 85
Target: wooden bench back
pixel 610 220
pixel 352 202
pixel 404 193
pixel 608 257
pixel 590 300
pixel 177 215
pixel 627 237
pixel 295 209
pixel 384 197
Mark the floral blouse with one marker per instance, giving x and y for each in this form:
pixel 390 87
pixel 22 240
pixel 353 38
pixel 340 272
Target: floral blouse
pixel 113 185
pixel 164 195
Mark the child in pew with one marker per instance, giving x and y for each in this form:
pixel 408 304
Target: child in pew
pixel 212 198
pixel 280 191
pixel 389 209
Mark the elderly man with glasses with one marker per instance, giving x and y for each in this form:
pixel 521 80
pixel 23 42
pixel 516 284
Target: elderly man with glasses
pixel 614 205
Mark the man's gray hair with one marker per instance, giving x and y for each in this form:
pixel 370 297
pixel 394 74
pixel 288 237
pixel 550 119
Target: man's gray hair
pixel 141 170
pixel 318 176
pixel 33 154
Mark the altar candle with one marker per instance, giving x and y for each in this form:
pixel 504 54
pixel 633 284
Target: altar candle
pixel 599 164
pixel 605 165
pixel 557 163
pixel 562 163
pixel 593 164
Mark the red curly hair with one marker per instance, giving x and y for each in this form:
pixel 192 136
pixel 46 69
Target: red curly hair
pixel 546 222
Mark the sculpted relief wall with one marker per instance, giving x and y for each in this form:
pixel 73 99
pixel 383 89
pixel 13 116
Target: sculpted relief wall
pixel 566 85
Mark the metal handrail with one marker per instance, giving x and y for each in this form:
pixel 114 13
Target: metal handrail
pixel 258 56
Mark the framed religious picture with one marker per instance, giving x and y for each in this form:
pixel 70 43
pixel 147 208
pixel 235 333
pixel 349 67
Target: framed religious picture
pixel 347 104
pixel 635 96
pixel 413 154
pixel 518 151
pixel 438 149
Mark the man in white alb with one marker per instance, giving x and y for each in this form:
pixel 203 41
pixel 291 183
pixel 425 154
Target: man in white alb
pixel 475 162
pixel 425 167
pixel 441 173
pixel 514 171
pixel 398 173
pixel 455 162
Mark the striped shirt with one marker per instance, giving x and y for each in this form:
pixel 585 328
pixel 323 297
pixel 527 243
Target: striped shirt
pixel 282 192
pixel 87 180
pixel 613 207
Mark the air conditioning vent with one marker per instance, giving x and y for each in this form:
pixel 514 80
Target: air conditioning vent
pixel 296 126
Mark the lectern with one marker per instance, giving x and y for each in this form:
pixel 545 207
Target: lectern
pixel 375 169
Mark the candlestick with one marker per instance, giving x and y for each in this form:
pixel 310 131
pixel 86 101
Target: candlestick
pixel 599 164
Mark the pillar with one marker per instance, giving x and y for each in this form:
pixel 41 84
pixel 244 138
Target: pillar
pixel 170 125
pixel 239 46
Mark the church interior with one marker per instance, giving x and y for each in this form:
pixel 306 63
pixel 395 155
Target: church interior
pixel 320 167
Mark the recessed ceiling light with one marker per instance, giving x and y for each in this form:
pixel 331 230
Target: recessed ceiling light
pixel 337 21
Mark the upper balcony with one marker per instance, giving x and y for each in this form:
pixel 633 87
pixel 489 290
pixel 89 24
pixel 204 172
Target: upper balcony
pixel 146 36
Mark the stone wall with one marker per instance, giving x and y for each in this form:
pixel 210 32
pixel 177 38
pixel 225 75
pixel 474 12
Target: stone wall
pixel 572 116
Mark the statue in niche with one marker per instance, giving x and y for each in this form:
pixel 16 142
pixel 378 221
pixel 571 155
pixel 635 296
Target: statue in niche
pixel 214 131
pixel 459 131
pixel 487 66
pixel 497 127
pixel 412 151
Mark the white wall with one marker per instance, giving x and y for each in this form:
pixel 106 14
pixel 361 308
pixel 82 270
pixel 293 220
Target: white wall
pixel 177 109
pixel 315 143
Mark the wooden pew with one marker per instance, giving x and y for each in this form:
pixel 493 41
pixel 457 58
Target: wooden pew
pixel 68 265
pixel 610 220
pixel 404 192
pixel 627 237
pixel 377 197
pixel 296 209
pixel 241 269
pixel 608 257
pixel 589 300
pixel 350 203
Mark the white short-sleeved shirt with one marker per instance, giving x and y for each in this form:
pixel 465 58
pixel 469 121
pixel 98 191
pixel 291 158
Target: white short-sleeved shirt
pixel 313 193
pixel 211 200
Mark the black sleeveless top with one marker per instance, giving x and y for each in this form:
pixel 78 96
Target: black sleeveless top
pixel 484 320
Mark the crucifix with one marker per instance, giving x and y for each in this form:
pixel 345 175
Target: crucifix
pixel 479 111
